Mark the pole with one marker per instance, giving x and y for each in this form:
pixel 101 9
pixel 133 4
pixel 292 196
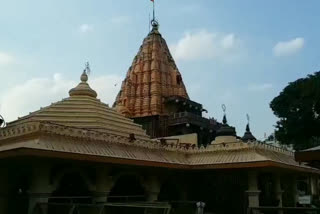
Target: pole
pixel 153 12
pixel 149 23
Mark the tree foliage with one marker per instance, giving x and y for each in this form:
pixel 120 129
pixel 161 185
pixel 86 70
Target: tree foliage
pixel 298 110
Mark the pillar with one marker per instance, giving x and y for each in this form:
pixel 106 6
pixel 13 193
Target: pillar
pixel 200 207
pixel 314 186
pixel 152 187
pixel 277 190
pixel 4 190
pixel 103 186
pixel 253 191
pixel 40 189
pixel 295 190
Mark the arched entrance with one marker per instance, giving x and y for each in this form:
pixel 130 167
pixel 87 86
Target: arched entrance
pixel 72 188
pixel 18 188
pixel 127 188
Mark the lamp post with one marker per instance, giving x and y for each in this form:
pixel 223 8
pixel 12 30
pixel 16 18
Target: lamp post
pixel 2 122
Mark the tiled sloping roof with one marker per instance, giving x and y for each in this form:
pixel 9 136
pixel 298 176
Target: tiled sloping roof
pixel 83 110
pixel 57 138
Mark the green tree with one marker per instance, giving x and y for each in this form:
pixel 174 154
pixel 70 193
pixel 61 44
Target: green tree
pixel 298 110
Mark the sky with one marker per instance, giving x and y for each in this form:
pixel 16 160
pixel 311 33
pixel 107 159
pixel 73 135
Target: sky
pixel 237 53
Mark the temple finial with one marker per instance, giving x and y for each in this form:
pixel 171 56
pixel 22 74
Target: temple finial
pixel 224 108
pixel 87 69
pixel 154 22
pixel 83 88
pixel 248 124
pixel 248 135
pixel 85 73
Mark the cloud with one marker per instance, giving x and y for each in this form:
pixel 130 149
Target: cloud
pixel 6 58
pixel 260 87
pixel 85 28
pixel 206 45
pixel 288 47
pixel 21 99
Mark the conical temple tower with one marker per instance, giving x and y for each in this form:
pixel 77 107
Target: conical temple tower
pixel 152 77
pixel 154 95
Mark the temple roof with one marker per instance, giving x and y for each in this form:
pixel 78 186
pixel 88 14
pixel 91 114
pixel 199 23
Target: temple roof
pixel 83 110
pixel 43 139
pixel 151 78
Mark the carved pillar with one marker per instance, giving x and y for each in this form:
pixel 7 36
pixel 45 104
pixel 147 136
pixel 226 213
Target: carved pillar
pixel 253 191
pixel 152 187
pixel 4 190
pixel 40 188
pixel 277 190
pixel 103 186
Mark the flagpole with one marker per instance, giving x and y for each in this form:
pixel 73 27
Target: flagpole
pixel 149 23
pixel 153 11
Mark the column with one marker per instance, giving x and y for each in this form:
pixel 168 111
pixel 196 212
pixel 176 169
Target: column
pixel 103 186
pixel 4 190
pixel 314 186
pixel 40 188
pixel 152 187
pixel 295 190
pixel 253 191
pixel 277 190
pixel 200 207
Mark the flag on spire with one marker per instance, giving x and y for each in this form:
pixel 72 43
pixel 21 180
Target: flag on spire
pixel 152 0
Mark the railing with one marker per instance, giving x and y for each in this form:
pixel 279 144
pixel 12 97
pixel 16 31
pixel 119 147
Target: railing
pixel 187 117
pixel 111 208
pixel 283 210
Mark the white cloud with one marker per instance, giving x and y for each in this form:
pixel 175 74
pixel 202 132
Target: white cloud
pixel 260 87
pixel 6 58
pixel 206 45
pixel 21 99
pixel 85 28
pixel 286 48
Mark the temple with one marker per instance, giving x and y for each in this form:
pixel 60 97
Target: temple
pixel 153 94
pixel 152 153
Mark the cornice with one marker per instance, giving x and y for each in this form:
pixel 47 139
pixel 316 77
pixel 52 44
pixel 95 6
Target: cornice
pixel 20 130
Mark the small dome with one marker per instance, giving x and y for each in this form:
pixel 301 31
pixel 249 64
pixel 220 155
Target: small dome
pixel 83 88
pixel 248 135
pixel 225 129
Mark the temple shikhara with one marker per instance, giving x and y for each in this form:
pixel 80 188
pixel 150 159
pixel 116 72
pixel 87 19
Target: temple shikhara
pixel 151 152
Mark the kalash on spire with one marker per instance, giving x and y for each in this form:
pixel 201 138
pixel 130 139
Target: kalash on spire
pixel 154 95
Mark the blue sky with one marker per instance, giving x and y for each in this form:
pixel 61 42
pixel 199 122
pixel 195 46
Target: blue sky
pixel 240 53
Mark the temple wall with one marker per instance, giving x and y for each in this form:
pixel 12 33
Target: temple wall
pixel 228 190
